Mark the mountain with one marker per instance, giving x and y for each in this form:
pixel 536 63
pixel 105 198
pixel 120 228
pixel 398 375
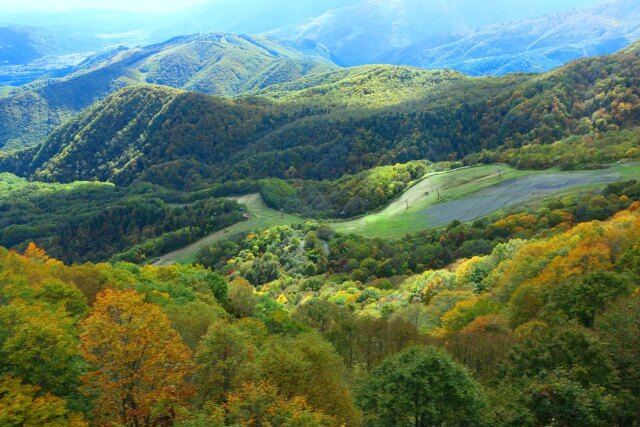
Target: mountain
pixel 367 86
pixel 37 44
pixel 22 45
pixel 366 31
pixel 313 129
pixel 210 63
pixel 27 53
pixel 478 38
pixel 532 45
pixel 53 43
pixel 164 132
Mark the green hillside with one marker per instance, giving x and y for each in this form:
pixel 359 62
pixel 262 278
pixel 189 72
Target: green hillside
pixel 368 86
pixel 376 246
pixel 92 221
pixel 353 125
pixel 226 64
pixel 211 63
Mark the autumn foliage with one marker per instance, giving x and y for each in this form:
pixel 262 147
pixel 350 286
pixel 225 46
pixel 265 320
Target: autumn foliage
pixel 138 363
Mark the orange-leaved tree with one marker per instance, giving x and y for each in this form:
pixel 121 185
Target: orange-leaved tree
pixel 138 363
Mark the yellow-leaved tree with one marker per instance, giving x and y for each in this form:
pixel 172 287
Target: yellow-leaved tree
pixel 138 363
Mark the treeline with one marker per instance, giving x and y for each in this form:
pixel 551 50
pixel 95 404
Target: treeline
pixel 131 222
pixel 347 197
pixel 83 221
pixel 594 149
pixel 359 259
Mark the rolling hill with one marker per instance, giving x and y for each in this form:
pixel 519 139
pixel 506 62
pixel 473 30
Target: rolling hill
pixel 179 139
pixel 210 63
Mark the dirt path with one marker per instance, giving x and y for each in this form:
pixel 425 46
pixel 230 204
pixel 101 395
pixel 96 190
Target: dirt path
pixel 262 217
pixel 472 193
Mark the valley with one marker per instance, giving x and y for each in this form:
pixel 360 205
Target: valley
pixel 466 195
pixel 320 213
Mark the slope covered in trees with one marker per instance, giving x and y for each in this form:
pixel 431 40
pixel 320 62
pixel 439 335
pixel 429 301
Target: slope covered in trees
pixel 85 221
pixel 324 127
pixel 222 64
pixel 528 333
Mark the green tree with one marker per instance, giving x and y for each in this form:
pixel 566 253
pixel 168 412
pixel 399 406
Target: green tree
pixel 40 346
pixel 619 328
pixel 309 367
pixel 22 406
pixel 563 377
pixel 584 298
pixel 226 357
pixel 421 386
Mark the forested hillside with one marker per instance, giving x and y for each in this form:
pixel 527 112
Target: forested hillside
pixel 85 221
pixel 323 127
pixel 221 230
pixel 221 64
pixel 526 333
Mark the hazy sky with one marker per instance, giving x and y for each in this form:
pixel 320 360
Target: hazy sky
pixel 132 5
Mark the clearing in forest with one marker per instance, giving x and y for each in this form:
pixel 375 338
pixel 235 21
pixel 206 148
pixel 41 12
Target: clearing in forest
pixel 464 194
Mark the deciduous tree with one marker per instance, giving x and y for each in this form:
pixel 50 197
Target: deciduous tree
pixel 421 386
pixel 138 363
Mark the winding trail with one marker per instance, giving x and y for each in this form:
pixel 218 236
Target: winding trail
pixel 262 217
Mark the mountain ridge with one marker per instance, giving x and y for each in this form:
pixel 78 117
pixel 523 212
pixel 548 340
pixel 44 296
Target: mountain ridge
pixel 210 63
pixel 372 30
pixel 197 137
pixel 534 45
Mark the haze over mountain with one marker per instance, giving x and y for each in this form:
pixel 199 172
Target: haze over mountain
pixel 104 27
pixel 535 45
pixel 354 32
pixel 364 32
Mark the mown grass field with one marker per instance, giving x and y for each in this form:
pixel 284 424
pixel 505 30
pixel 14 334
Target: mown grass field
pixel 464 194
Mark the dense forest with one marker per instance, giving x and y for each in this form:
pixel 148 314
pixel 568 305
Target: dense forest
pixel 314 133
pixel 92 221
pixel 222 64
pixel 534 332
pixel 526 316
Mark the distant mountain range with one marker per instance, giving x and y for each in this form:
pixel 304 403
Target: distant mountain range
pixel 372 29
pixel 55 54
pixel 531 45
pixel 488 37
